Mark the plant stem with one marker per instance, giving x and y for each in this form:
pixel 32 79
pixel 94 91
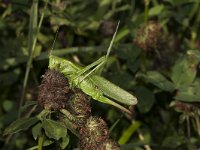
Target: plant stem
pixel 40 142
pixel 141 137
pixel 188 125
pixel 115 124
pixel 146 11
pixel 29 63
pixel 197 123
pixel 67 120
pixel 31 46
pixel 28 66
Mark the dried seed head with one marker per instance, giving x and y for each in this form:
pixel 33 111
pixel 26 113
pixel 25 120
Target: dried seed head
pixel 107 28
pixel 185 107
pixel 168 48
pixel 109 145
pixel 54 78
pixel 53 91
pixel 148 36
pixel 94 133
pixel 79 106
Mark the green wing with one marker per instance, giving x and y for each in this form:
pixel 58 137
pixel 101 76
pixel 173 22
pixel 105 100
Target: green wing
pixel 113 91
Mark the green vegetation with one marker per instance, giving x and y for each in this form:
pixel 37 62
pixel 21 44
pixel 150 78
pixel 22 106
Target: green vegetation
pixel 155 56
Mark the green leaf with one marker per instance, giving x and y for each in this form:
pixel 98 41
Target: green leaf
pixel 160 81
pixel 122 34
pixel 8 78
pixel 128 132
pixel 179 2
pixel 46 142
pixel 28 104
pixel 32 148
pixel 183 72
pixel 33 25
pixel 187 97
pixel 173 141
pixel 54 129
pixel 20 124
pixel 8 105
pixel 37 51
pixel 37 130
pixel 194 55
pixel 65 142
pixel 190 93
pixel 146 99
pixel 156 10
pixel 128 52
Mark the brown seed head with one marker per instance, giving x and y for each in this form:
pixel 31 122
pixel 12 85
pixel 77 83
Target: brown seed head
pixel 54 78
pixel 94 133
pixel 79 106
pixel 109 145
pixel 148 36
pixel 107 28
pixel 185 107
pixel 53 91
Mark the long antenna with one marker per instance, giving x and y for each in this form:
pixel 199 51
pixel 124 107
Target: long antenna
pixel 112 41
pixel 54 41
pixel 109 48
pixel 101 62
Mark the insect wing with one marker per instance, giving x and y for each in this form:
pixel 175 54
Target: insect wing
pixel 113 91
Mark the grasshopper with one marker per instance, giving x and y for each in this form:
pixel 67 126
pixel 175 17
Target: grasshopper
pixel 93 85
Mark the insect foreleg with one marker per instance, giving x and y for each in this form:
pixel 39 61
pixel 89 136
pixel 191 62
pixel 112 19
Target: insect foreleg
pixel 82 72
pixel 90 66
